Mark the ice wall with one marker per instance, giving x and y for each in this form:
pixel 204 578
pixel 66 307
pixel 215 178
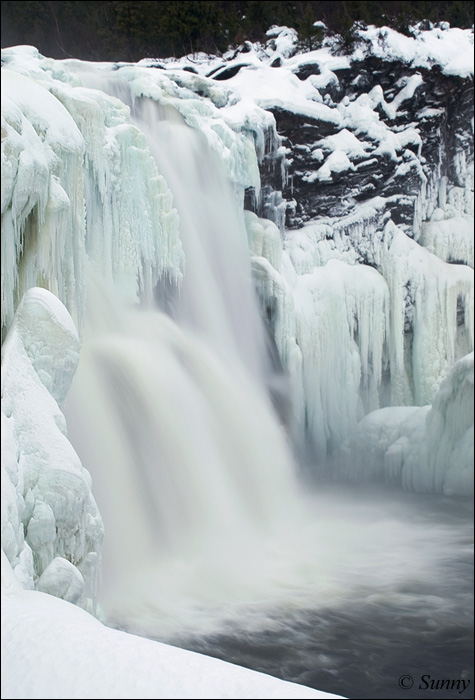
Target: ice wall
pixel 80 191
pixel 51 528
pixel 356 337
pixel 427 449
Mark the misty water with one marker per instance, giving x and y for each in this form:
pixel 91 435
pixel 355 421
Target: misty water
pixel 212 541
pixel 343 589
pixel 393 640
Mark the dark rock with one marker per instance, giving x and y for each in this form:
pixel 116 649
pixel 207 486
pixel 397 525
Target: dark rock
pixel 229 72
pixel 441 109
pixel 307 69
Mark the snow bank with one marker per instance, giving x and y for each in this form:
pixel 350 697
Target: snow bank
pixel 52 649
pixel 448 47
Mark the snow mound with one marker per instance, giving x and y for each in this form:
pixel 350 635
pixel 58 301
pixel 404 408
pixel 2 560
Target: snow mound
pixel 52 649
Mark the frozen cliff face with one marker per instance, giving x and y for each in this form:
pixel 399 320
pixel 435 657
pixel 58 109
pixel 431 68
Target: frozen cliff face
pixel 51 528
pixel 354 337
pixel 402 134
pixel 80 191
pixel 372 166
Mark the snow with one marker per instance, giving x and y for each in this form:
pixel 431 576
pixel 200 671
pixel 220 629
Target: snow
pixel 451 49
pixel 346 142
pixel 337 162
pixel 52 649
pixel 406 93
pixel 361 116
pixel 284 40
pixel 280 88
pixel 451 239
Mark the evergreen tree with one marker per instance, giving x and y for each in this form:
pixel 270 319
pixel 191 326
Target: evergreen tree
pixel 131 30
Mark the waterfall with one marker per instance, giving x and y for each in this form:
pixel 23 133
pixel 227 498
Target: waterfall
pixel 206 523
pixel 169 409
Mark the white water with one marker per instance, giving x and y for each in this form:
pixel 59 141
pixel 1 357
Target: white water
pixel 216 298
pixel 170 413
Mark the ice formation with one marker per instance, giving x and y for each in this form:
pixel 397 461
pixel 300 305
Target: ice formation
pixel 339 325
pixel 80 190
pixel 51 528
pixel 427 449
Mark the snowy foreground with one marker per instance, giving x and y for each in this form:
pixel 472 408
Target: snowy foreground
pixel 372 319
pixel 52 649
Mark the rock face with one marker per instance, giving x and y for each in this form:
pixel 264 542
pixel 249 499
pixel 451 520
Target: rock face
pixel 436 109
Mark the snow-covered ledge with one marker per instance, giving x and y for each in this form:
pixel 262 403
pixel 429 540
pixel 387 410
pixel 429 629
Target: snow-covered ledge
pixel 52 649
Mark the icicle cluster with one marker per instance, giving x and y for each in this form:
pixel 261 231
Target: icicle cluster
pixel 80 192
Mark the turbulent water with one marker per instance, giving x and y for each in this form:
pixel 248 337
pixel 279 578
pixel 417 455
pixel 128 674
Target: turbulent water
pixel 211 543
pixel 369 638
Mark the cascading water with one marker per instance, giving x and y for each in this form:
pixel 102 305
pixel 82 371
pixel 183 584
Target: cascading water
pixel 176 405
pixel 207 528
